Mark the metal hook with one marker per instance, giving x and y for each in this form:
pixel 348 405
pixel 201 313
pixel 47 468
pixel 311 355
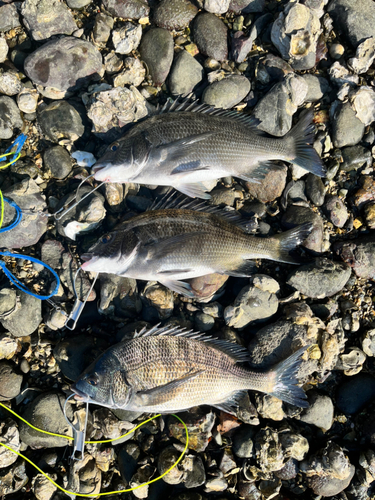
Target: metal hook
pixel 76 312
pixel 79 435
pixel 59 214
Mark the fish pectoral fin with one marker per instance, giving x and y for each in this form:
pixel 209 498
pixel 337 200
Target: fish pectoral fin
pixel 160 248
pixel 175 150
pixel 189 166
pixel 194 190
pixel 245 269
pixel 162 393
pixel 259 172
pixel 180 287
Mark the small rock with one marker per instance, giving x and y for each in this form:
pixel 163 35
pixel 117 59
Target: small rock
pixel 368 343
pixel 127 38
pixel 133 74
pixel 295 34
pixel 102 27
pixel 42 488
pixel 336 211
pixel 10 117
pixel 360 255
pixel 227 92
pixel 315 189
pixel 10 437
pixel 9 17
pixel 174 14
pixel 247 6
pixel 58 161
pixel 216 6
pixel 369 213
pixel 204 322
pixel 289 471
pixel 118 297
pixel 347 129
pixel 355 393
pixel 27 100
pixel 156 51
pixel 3 49
pixel 8 345
pixel 355 157
pixel 129 9
pixel 185 74
pixel 10 84
pixel 210 34
pixel 351 362
pixel 78 4
pixel 268 450
pixel 294 445
pixel 205 287
pixel 84 476
pixel 166 459
pixel 13 479
pixel 195 474
pixel 157 302
pixel 341 76
pixel 270 407
pixel 65 64
pixel 270 187
pixel 199 424
pixel 296 215
pixel 363 102
pixel 45 18
pixel 60 120
pixel 328 472
pixel 317 87
pixel 10 381
pixel 364 56
pixel 358 23
pixel 336 50
pixel 243 442
pixel 217 483
pixel 366 193
pixel 320 412
pixel 30 310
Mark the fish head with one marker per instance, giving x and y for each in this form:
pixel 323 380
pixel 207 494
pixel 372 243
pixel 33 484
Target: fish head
pixel 112 253
pixel 104 383
pixel 122 161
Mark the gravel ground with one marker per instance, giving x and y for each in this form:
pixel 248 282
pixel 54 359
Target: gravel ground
pixel 74 74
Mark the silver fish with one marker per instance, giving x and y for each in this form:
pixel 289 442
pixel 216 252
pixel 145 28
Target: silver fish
pixel 189 143
pixel 171 245
pixel 166 370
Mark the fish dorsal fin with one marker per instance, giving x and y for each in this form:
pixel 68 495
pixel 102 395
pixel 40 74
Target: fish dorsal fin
pixel 176 200
pixel 237 352
pixel 193 106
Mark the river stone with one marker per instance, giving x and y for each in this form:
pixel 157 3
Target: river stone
pixel 336 211
pixel 30 310
pixel 359 254
pixel 26 194
pixel 127 38
pixel 296 215
pixel 347 129
pixel 156 51
pixel 320 411
pixel 102 27
pixel 45 18
pixel 46 412
pixel 354 393
pixel 10 117
pixel 315 189
pixel 174 14
pixel 58 161
pixel 9 18
pixel 270 187
pixel 364 57
pixel 317 87
pixel 210 34
pixel 128 9
pixel 64 64
pixel 185 74
pixel 227 92
pixel 10 381
pixel 247 6
pixel 3 49
pixel 78 4
pixel 355 20
pixel 60 120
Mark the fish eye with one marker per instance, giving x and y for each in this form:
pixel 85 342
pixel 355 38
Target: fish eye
pixel 106 238
pixel 92 379
pixel 114 146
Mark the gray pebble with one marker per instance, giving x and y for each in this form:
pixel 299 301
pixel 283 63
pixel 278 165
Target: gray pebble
pixel 315 189
pixel 60 120
pixel 275 67
pixel 247 6
pixel 359 254
pixel 216 6
pixel 156 51
pixel 133 74
pixel 10 117
pixel 127 38
pixel 166 459
pixel 296 215
pixel 64 64
pixel 320 412
pixel 355 157
pixel 10 84
pixel 45 19
pixel 174 14
pixel 3 49
pixel 320 279
pixel 102 27
pixel 10 381
pixel 9 17
pixel 318 86
pixel 243 441
pixel 58 161
pixel 195 474
pixel 185 74
pixel 210 35
pixel 336 51
pixel 296 194
pixel 270 187
pixel 204 322
pixel 227 92
pixel 27 101
pixel 347 129
pixel 118 297
pixel 355 20
pixel 354 393
pixel 336 211
pixel 26 318
pixel 222 196
pixel 131 9
pixel 78 4
pixel 46 412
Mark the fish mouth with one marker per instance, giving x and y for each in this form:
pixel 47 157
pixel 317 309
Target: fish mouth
pixel 100 171
pixel 87 256
pixel 89 260
pixel 79 395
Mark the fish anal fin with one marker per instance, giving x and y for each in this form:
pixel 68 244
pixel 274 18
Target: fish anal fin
pixel 178 286
pixel 259 172
pixel 245 269
pixel 161 393
pixel 194 190
pixel 231 404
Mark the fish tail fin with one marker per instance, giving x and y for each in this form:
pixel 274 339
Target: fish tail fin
pixel 283 243
pixel 285 380
pixel 301 138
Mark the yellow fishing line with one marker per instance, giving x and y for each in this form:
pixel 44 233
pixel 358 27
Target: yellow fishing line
pixel 96 442
pixel 12 161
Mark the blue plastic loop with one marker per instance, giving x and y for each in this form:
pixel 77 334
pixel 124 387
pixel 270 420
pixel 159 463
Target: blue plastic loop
pixel 18 215
pixel 20 285
pixel 19 142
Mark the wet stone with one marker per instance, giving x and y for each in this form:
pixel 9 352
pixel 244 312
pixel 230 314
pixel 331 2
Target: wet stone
pixel 296 215
pixel 156 51
pixel 10 117
pixel 320 412
pixel 355 393
pixel 102 27
pixel 347 129
pixel 45 18
pixel 9 17
pixel 227 92
pixel 336 211
pixel 174 14
pixel 10 381
pixel 127 38
pixel 210 34
pixel 185 74
pixel 58 161
pixel 355 157
pixel 66 64
pixel 127 9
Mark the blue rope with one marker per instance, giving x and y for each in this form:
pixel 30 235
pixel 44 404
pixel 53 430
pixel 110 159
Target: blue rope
pixel 19 142
pixel 20 285
pixel 18 216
